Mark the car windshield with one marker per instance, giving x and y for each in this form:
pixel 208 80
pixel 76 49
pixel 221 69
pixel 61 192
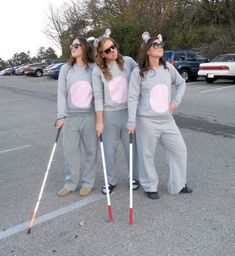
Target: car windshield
pixel 224 58
pixel 167 55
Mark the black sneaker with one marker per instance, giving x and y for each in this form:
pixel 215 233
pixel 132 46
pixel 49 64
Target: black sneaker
pixel 110 188
pixel 186 189
pixel 135 184
pixel 153 195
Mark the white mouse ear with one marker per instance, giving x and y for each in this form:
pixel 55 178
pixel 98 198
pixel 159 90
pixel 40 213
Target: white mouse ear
pixel 90 39
pixel 145 36
pixel 159 36
pixel 96 42
pixel 107 32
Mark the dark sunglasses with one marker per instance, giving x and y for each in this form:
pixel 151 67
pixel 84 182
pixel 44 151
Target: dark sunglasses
pixel 75 46
pixel 108 50
pixel 157 45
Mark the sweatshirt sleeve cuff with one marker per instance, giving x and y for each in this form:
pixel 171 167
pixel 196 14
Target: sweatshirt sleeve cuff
pixel 99 108
pixel 176 103
pixel 130 124
pixel 60 116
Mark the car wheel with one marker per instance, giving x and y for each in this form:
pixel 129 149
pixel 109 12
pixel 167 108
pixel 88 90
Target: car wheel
pixel 185 74
pixel 210 80
pixel 38 73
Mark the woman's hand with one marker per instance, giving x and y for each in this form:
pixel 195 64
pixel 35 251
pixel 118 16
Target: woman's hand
pixel 99 128
pixel 99 123
pixel 59 123
pixel 172 107
pixel 131 130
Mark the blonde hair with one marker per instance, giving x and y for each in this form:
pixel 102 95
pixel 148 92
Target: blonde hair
pixel 101 61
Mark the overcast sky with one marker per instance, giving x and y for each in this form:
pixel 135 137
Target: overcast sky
pixel 21 26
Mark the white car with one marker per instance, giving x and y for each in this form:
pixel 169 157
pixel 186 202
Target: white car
pixel 6 71
pixel 20 70
pixel 221 67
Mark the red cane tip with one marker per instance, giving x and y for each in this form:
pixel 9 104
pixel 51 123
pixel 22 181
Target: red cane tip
pixel 131 216
pixel 110 211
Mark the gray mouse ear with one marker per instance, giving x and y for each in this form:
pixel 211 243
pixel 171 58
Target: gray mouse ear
pixel 96 42
pixel 159 36
pixel 90 39
pixel 145 36
pixel 107 32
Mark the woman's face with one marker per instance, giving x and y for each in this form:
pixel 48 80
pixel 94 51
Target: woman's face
pixel 109 51
pixel 76 49
pixel 156 49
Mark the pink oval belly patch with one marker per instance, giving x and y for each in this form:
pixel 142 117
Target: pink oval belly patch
pixel 81 94
pixel 118 89
pixel 159 98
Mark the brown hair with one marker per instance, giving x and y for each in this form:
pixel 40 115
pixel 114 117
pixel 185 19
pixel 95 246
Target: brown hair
pixel 101 61
pixel 143 57
pixel 87 57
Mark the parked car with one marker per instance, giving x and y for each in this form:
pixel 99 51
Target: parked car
pixel 20 70
pixel 6 71
pixel 186 62
pixel 221 67
pixel 45 70
pixel 35 69
pixel 53 70
pixel 13 70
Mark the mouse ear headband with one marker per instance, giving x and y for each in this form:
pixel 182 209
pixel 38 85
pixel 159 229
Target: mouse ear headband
pixel 107 33
pixel 146 36
pixel 90 39
pixel 159 36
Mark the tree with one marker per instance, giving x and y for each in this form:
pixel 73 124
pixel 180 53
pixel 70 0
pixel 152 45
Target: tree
pixel 55 26
pixel 230 13
pixel 65 23
pixel 206 25
pixel 44 53
pixel 19 59
pixel 3 64
pixel 50 53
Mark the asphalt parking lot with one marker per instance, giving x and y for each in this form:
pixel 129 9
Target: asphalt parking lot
pixel 198 224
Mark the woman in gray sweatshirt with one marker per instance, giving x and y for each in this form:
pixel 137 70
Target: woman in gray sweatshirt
pixel 76 115
pixel 150 109
pixel 110 78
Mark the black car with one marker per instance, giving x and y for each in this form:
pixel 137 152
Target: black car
pixel 186 62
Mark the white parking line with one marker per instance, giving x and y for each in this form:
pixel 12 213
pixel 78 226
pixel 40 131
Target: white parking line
pixel 14 149
pixel 217 89
pixel 18 228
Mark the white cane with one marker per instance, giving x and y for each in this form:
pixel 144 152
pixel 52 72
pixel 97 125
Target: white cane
pixel 43 183
pixel 131 216
pixel 110 210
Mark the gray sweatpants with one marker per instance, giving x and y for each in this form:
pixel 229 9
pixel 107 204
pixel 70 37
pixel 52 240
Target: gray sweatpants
pixel 80 129
pixel 115 129
pixel 148 132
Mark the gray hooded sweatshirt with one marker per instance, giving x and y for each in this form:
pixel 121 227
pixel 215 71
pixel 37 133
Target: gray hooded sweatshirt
pixel 112 95
pixel 151 95
pixel 75 94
